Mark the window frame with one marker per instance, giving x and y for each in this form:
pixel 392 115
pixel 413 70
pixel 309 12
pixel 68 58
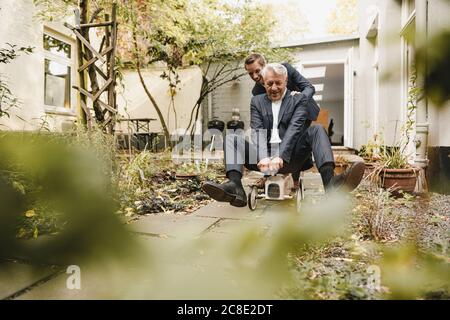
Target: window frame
pixel 69 62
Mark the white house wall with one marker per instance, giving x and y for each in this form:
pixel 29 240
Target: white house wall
pixel 389 47
pixel 134 103
pixel 25 74
pixel 382 107
pixel 233 95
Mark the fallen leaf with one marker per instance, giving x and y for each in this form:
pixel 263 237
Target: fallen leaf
pixel 30 213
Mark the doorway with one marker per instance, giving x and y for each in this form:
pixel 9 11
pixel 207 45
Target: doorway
pixel 329 82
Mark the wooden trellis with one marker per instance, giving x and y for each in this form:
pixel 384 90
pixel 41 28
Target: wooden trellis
pixel 99 66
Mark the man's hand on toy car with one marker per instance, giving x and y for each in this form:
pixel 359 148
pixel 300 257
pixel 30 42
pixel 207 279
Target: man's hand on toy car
pixel 271 165
pixel 276 164
pixel 263 164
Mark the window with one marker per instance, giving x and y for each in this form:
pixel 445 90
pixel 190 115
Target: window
pixel 58 72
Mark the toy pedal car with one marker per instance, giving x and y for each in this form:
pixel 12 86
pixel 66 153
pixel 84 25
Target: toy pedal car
pixel 277 187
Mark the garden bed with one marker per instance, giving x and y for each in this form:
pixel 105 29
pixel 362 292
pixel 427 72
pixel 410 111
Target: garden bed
pixel 417 226
pixel 152 183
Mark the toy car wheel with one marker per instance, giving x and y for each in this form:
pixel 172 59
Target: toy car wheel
pixel 252 198
pixel 299 197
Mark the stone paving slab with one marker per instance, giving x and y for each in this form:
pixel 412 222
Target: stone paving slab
pixel 161 281
pixel 193 283
pixel 312 180
pixel 166 249
pixel 172 225
pixel 225 210
pixel 230 226
pixel 15 277
pixel 96 283
pixel 205 251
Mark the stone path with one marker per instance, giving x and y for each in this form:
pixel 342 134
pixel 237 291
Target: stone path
pixel 212 223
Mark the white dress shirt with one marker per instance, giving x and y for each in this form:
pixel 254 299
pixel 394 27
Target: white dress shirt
pixel 276 105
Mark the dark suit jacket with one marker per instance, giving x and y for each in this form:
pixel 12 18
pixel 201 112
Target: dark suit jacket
pixel 292 123
pixel 296 82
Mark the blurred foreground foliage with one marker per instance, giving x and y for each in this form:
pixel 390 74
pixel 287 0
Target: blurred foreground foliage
pixel 433 61
pixel 55 184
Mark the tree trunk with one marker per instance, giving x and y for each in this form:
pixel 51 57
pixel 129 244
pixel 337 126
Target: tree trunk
pixel 149 95
pixel 203 94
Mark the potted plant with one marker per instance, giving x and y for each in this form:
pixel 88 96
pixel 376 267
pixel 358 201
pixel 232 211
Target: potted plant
pixel 395 172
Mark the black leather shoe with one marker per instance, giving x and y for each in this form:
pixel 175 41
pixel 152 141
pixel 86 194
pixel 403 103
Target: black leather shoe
pixel 350 178
pixel 226 192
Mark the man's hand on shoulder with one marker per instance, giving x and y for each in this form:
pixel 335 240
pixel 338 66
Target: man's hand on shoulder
pixel 297 95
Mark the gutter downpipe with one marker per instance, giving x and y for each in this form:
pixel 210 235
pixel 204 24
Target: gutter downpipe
pixel 422 125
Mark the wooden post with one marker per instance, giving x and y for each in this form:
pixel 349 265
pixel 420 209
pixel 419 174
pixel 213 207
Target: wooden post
pixel 88 56
pixel 83 113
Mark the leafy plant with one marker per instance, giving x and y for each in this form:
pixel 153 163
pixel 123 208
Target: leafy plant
pixel 393 158
pixel 7 98
pixel 415 93
pixel 372 149
pixel 11 53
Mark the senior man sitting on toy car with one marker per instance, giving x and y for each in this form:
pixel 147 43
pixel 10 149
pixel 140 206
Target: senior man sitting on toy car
pixel 282 141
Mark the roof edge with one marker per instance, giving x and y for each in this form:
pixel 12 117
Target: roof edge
pixel 320 41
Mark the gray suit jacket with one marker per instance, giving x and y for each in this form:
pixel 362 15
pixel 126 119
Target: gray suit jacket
pixel 292 123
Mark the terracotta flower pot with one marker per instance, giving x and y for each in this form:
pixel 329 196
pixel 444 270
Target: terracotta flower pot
pixel 399 179
pixel 370 167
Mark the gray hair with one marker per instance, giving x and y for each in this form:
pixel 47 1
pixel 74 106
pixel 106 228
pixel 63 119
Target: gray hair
pixel 276 68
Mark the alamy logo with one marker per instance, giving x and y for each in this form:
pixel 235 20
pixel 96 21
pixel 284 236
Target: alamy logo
pixel 73 282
